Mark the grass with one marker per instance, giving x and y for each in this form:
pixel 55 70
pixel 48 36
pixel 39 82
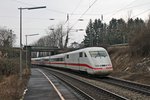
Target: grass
pixel 11 87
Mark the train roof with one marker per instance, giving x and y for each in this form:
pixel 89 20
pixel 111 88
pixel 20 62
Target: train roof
pixel 87 49
pixel 76 51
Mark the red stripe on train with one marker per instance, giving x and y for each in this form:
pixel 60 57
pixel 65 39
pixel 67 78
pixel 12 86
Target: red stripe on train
pixel 83 65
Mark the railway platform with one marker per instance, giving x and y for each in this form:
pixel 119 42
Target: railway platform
pixel 45 87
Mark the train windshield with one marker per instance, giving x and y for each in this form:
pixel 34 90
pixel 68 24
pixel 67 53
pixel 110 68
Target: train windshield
pixel 100 58
pixel 98 54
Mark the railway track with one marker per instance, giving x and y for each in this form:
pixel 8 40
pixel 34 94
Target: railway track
pixel 141 88
pixel 122 89
pixel 87 90
pixel 133 86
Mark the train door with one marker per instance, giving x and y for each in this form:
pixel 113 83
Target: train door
pixel 79 62
pixel 82 60
pixel 49 61
pixel 65 61
pixel 67 57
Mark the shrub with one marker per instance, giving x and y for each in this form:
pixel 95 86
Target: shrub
pixel 9 66
pixel 140 43
pixel 11 87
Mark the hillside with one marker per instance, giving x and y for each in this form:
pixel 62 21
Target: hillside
pixel 134 68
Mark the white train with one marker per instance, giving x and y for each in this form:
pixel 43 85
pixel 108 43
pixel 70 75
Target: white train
pixel 93 60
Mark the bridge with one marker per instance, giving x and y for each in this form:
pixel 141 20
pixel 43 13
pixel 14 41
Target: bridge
pixel 36 51
pixel 43 49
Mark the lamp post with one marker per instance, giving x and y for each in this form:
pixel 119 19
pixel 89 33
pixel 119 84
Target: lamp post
pixel 30 8
pixel 26 47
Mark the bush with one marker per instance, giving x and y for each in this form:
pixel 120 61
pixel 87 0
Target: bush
pixel 140 43
pixel 9 58
pixel 11 87
pixel 9 52
pixel 9 66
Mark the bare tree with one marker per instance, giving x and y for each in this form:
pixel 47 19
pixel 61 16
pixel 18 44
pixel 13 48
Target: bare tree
pixel 67 39
pixel 7 38
pixel 129 14
pixel 55 37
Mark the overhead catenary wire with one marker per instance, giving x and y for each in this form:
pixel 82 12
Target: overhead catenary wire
pixel 115 12
pixel 84 13
pixel 52 10
pixel 97 14
pixel 125 8
pixel 72 12
pixel 141 13
pixel 88 8
pixel 76 8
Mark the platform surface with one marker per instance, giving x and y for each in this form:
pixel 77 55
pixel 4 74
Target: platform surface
pixel 39 88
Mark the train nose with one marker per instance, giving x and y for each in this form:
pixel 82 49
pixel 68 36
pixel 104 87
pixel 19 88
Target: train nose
pixel 104 71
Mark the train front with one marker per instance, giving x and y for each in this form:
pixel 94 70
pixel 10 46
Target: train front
pixel 101 62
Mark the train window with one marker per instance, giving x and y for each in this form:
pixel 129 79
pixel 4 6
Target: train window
pixel 57 59
pixel 85 55
pixel 61 59
pixel 46 59
pixel 80 54
pixel 52 59
pixel 67 56
pixel 98 54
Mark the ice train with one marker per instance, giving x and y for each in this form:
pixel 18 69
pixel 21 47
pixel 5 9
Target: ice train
pixel 93 60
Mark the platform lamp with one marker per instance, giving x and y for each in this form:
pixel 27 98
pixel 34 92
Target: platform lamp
pixel 27 8
pixel 27 45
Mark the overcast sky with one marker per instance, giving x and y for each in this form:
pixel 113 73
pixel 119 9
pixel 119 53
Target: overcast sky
pixel 37 21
